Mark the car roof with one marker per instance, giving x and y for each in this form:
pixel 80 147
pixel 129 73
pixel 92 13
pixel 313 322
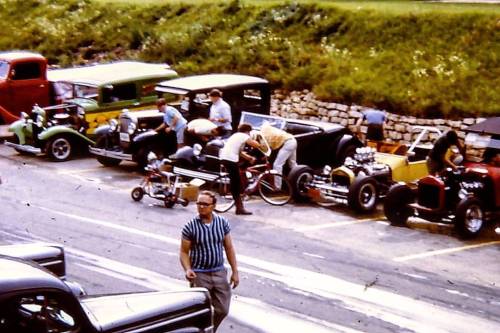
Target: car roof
pixel 14 55
pixel 17 274
pixel 488 126
pixel 210 81
pixel 112 73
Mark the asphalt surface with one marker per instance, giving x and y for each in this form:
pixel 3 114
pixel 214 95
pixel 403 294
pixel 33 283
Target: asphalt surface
pixel 303 268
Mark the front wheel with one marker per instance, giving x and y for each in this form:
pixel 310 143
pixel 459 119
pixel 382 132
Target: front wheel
pixel 137 194
pixel 363 194
pixel 469 218
pixel 396 204
pixel 299 178
pixel 221 187
pixel 274 189
pixel 59 148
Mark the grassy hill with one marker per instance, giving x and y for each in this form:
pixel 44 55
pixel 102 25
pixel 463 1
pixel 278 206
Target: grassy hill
pixel 408 57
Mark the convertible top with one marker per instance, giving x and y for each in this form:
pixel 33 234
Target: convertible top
pixel 489 126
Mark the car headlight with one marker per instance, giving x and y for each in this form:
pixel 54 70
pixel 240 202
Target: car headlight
pixel 131 128
pixel 113 125
pixel 326 170
pixel 39 120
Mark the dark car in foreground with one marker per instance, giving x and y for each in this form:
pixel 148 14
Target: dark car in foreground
pixel 132 137
pixel 33 300
pixel 468 197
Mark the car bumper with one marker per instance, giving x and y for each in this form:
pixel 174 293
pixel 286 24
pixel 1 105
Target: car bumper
pixel 24 148
pixel 111 154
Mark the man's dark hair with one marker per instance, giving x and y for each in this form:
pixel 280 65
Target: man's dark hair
pixel 452 136
pixel 215 93
pixel 244 127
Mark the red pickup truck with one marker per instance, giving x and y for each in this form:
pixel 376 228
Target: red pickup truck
pixel 23 82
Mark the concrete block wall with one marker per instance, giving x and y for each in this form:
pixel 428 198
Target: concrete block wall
pixel 305 105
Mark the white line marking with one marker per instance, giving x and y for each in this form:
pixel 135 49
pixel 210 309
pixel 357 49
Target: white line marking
pixel 335 224
pixel 444 251
pixel 399 310
pixel 313 255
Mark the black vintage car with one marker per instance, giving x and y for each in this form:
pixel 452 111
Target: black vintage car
pixel 318 143
pixel 468 197
pixel 132 138
pixel 33 300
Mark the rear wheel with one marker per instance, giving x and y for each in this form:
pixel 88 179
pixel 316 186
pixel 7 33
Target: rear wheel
pixel 299 177
pixel 363 194
pixel 469 218
pixel 137 194
pixel 106 161
pixel 274 189
pixel 59 148
pixel 396 204
pixel 221 187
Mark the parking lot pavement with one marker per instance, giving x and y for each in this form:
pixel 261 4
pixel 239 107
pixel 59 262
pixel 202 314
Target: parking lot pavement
pixel 425 246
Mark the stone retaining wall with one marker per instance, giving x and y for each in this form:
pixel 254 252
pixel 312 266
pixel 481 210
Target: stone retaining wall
pixel 304 105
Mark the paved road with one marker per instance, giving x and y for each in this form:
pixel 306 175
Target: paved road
pixel 303 268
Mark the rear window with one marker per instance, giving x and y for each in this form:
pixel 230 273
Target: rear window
pixel 26 71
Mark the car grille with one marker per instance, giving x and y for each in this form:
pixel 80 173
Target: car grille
pixel 124 122
pixel 428 196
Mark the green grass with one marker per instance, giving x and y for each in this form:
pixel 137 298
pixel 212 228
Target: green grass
pixel 409 57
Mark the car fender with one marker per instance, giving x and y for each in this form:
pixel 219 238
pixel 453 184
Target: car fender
pixel 17 128
pixel 346 140
pixel 102 130
pixel 146 136
pixel 344 171
pixel 57 130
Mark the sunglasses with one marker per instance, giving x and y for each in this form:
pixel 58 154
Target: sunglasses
pixel 204 204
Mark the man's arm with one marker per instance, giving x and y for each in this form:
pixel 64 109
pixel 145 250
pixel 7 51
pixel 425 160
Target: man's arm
pixel 184 258
pixel 231 258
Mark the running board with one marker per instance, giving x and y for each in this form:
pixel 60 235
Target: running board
pixel 24 148
pixel 111 154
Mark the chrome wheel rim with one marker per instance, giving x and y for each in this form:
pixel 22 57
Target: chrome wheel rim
pixel 474 218
pixel 61 148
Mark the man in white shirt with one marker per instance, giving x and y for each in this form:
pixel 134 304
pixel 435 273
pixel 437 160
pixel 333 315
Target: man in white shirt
pixel 220 112
pixel 230 156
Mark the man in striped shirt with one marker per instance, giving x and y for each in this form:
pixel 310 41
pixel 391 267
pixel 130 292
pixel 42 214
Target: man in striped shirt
pixel 203 240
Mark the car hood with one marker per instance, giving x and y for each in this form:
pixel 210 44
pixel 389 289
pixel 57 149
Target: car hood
pixel 125 310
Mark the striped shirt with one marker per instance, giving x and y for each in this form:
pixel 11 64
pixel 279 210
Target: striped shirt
pixel 207 243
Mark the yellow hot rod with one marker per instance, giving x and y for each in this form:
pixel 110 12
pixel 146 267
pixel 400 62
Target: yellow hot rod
pixel 365 177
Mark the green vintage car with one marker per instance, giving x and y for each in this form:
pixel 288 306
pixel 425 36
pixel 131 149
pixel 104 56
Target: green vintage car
pixel 93 95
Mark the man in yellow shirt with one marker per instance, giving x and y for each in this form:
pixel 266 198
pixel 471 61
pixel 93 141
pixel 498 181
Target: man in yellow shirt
pixel 287 145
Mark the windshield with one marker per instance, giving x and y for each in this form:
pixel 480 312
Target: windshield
pixel 82 91
pixel 479 147
pixel 257 120
pixel 4 69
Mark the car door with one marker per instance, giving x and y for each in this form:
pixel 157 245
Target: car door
pixel 27 87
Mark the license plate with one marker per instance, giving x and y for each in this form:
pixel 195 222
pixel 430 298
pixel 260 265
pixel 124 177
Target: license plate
pixel 124 137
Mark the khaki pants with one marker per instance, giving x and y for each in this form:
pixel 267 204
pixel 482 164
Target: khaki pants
pixel 220 292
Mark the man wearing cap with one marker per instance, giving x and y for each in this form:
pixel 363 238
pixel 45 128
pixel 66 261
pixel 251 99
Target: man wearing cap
pixel 220 112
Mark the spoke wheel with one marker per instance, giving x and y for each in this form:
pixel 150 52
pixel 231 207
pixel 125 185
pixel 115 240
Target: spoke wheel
pixel 274 189
pixel 221 187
